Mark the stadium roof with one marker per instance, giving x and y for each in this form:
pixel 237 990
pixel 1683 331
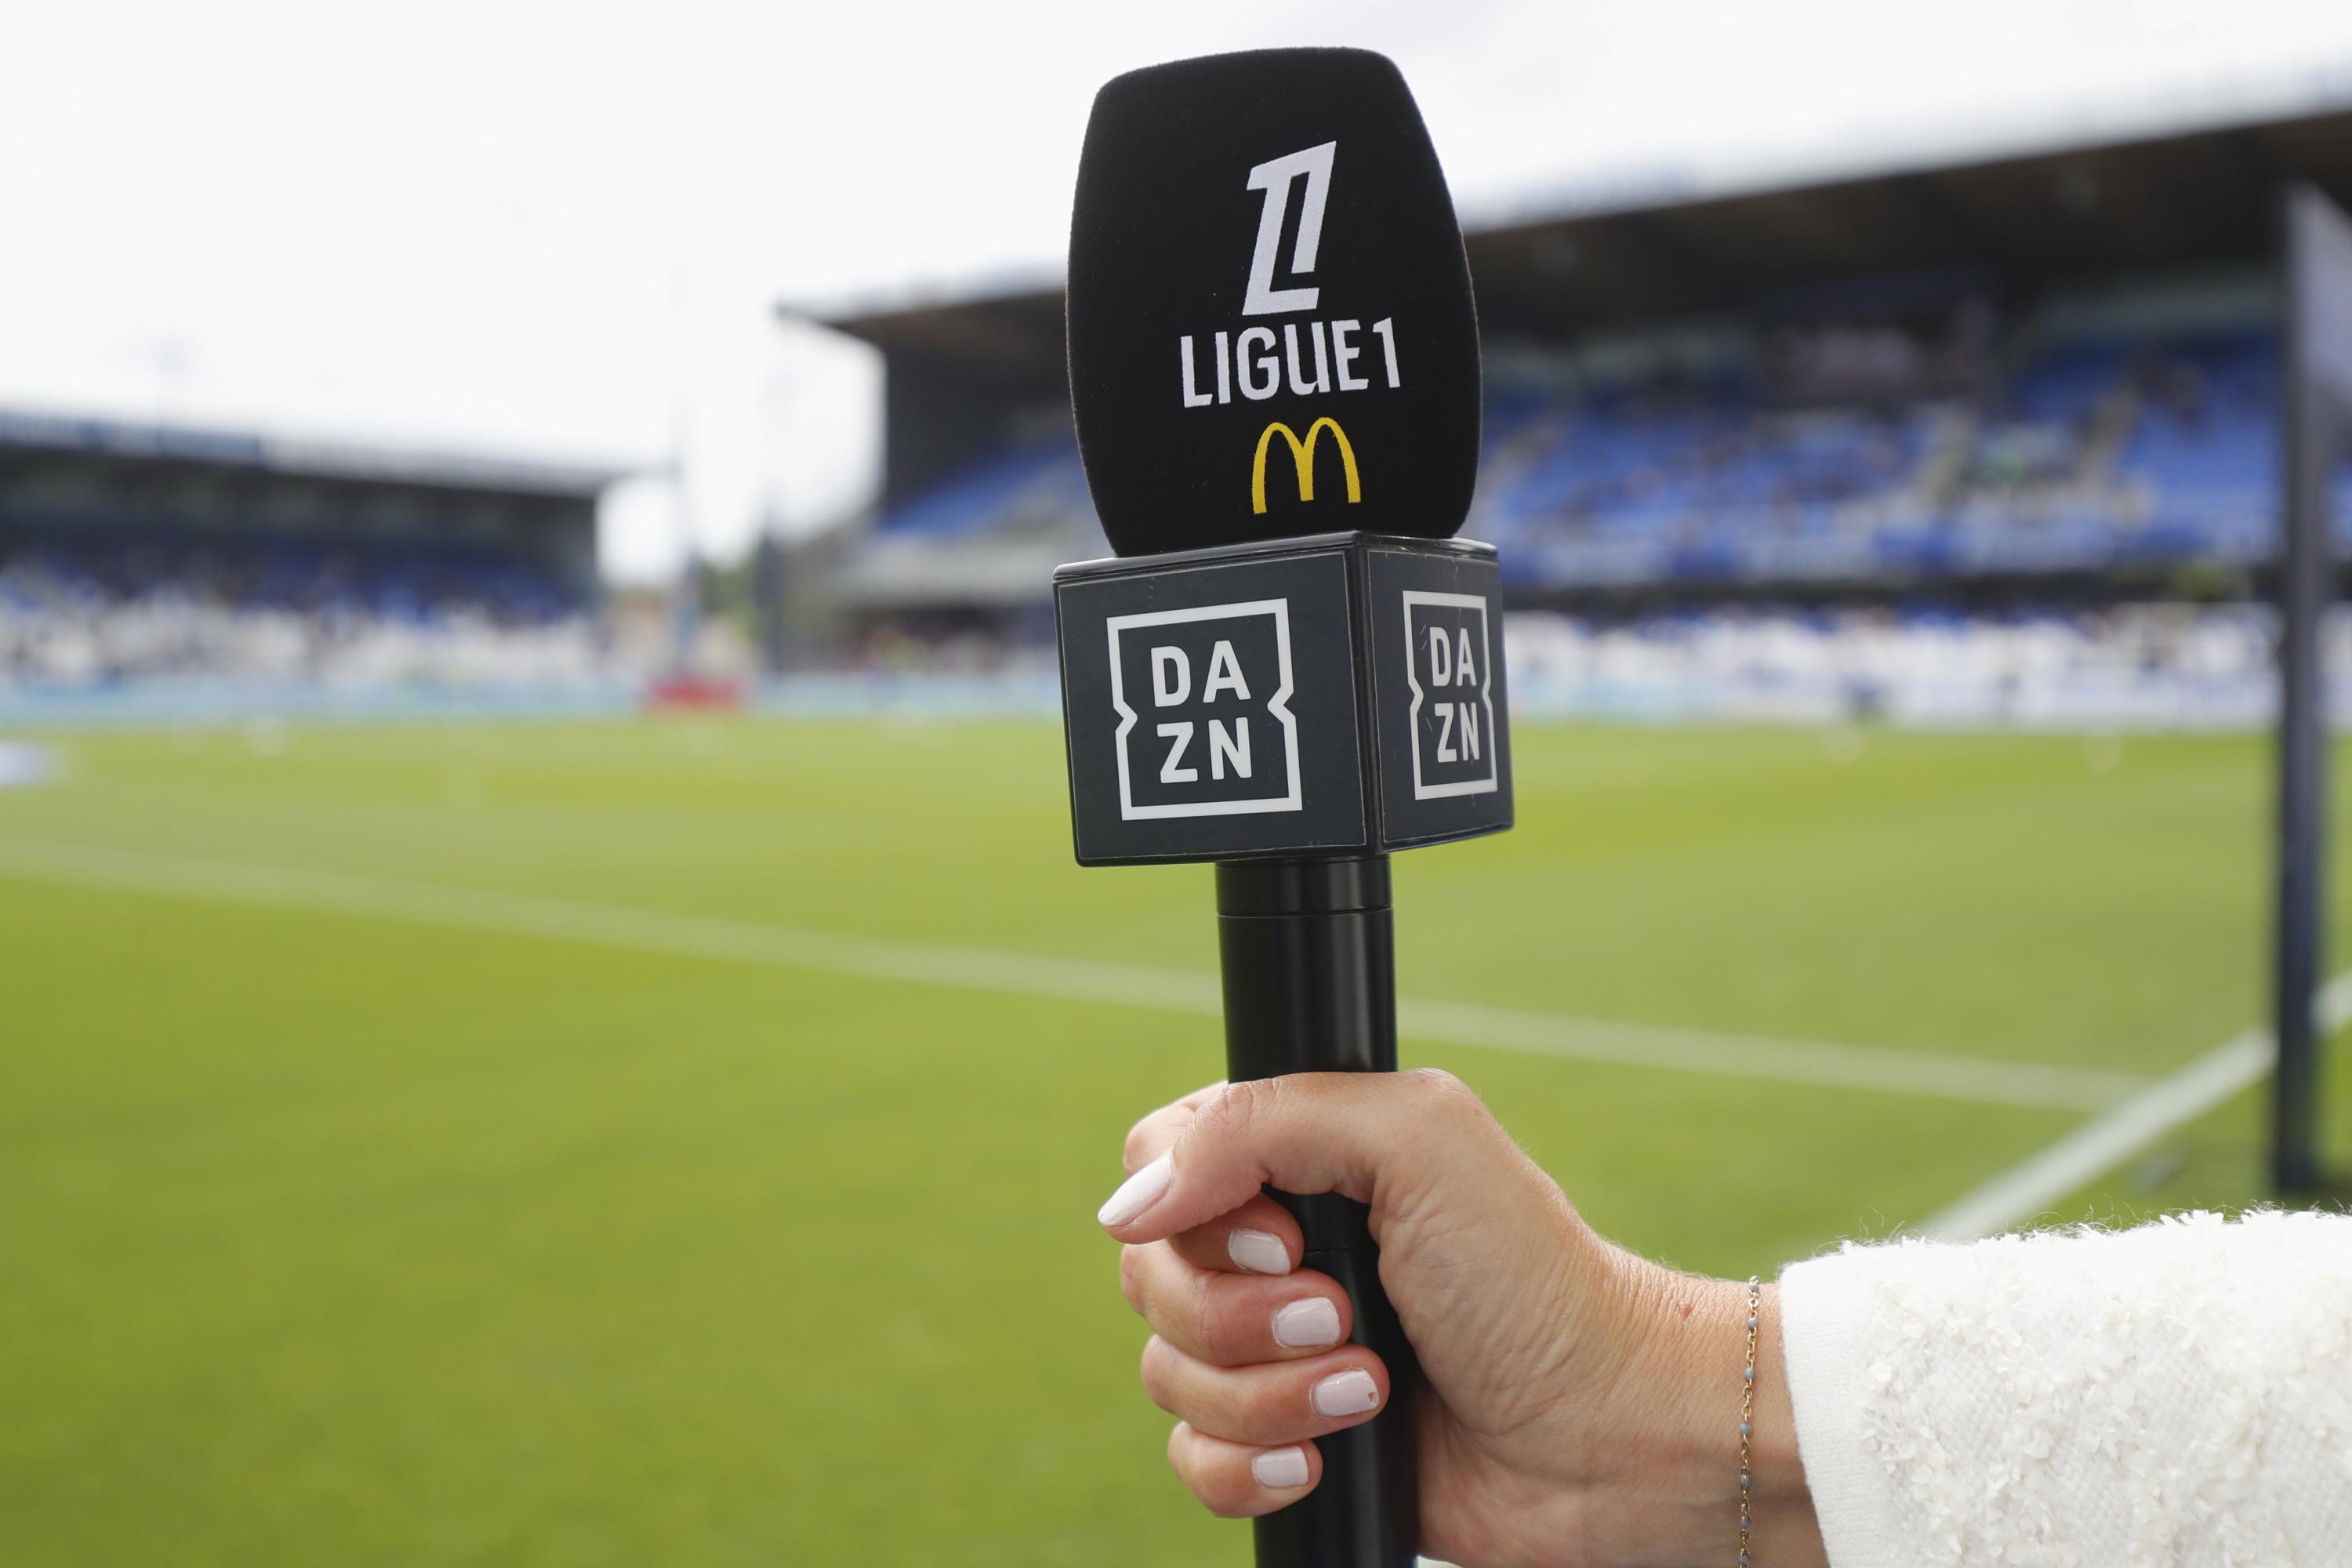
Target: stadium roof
pixel 50 434
pixel 2179 200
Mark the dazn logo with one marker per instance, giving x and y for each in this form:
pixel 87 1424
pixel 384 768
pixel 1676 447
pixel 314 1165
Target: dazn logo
pixel 1204 723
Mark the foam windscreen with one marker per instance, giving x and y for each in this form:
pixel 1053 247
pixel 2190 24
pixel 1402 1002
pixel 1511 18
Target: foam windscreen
pixel 1271 330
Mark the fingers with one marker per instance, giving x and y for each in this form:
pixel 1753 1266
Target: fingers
pixel 1366 1135
pixel 1271 1406
pixel 1259 1238
pixel 1233 1320
pixel 1151 1137
pixel 1234 1481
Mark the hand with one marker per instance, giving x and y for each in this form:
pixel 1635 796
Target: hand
pixel 1582 1405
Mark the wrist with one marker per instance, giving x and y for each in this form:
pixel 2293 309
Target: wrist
pixel 1697 1356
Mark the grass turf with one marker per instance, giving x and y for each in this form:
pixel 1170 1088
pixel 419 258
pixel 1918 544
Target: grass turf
pixel 357 1240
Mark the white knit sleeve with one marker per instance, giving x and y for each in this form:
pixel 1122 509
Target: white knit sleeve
pixel 2178 1394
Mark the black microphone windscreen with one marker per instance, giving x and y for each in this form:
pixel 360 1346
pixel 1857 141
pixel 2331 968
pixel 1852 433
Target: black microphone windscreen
pixel 1271 330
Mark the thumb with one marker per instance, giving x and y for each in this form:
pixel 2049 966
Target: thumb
pixel 1382 1138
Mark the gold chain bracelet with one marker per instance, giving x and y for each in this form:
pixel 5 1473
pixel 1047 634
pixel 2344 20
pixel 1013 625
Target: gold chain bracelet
pixel 1747 1414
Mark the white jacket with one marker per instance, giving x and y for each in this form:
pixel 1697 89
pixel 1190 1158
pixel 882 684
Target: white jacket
pixel 2179 1394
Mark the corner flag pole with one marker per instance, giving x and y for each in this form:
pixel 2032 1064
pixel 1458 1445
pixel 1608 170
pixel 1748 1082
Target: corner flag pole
pixel 2318 406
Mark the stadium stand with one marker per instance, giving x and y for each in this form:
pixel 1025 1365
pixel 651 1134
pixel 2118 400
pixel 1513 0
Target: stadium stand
pixel 130 552
pixel 2089 457
pixel 2044 378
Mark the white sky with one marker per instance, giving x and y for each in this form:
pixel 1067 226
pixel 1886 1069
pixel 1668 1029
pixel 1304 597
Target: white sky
pixel 471 225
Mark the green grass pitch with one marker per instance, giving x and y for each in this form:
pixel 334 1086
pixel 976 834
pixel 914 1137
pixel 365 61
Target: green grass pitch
pixel 328 1237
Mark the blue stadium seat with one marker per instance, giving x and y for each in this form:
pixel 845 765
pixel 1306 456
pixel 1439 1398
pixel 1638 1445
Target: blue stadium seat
pixel 1038 472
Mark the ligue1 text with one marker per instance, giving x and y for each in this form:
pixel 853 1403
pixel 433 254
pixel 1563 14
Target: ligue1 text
pixel 1306 357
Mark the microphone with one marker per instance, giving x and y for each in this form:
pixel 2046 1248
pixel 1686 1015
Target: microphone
pixel 1259 239
pixel 1291 668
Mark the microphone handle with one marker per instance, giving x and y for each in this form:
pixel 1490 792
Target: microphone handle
pixel 1307 949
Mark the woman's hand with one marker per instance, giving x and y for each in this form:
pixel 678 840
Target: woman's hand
pixel 1581 1405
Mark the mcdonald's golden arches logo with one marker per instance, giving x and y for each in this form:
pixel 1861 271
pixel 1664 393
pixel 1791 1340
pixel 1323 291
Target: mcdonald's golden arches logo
pixel 1302 458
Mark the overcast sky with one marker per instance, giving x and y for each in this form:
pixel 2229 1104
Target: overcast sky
pixel 525 227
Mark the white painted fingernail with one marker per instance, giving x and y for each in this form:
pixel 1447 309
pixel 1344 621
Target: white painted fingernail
pixel 1138 1193
pixel 1277 1469
pixel 1308 1325
pixel 1346 1393
pixel 1257 1251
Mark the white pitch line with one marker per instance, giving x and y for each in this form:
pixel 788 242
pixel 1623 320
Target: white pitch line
pixel 1807 1062
pixel 2030 1084
pixel 2025 1191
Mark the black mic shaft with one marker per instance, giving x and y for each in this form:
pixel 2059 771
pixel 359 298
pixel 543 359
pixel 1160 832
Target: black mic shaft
pixel 1308 955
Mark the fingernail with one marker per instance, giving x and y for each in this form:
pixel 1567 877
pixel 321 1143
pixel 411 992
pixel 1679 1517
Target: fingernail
pixel 1346 1393
pixel 1277 1469
pixel 1138 1193
pixel 1308 1325
pixel 1257 1251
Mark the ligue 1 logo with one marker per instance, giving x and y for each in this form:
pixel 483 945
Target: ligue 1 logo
pixel 1317 355
pixel 1204 723
pixel 1449 673
pixel 1274 176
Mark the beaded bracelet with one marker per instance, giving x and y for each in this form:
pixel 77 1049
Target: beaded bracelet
pixel 1748 1414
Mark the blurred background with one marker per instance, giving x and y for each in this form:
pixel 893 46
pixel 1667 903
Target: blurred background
pixel 545 1011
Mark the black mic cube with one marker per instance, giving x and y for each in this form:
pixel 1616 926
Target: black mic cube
pixel 1330 694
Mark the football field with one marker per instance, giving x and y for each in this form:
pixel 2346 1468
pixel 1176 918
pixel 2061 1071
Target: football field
pixel 678 1142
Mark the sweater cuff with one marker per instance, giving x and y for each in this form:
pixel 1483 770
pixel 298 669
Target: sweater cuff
pixel 1824 1340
